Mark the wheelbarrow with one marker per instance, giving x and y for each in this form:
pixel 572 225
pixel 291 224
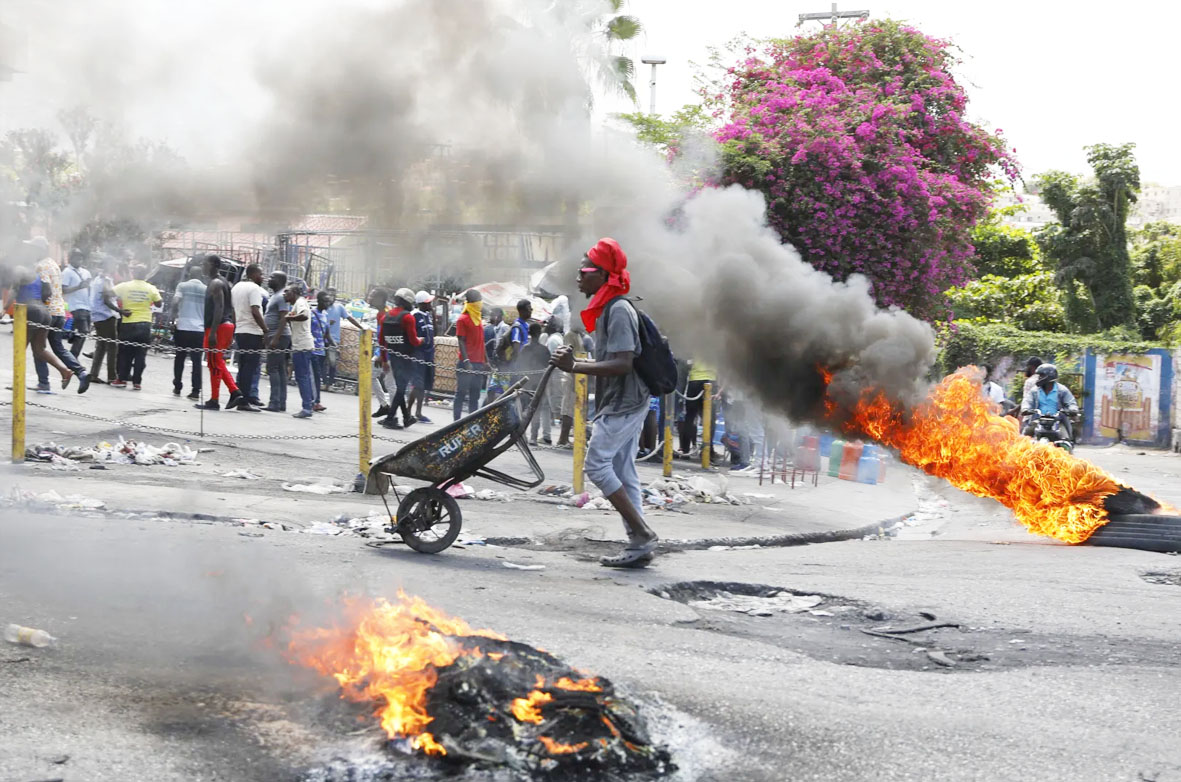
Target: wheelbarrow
pixel 428 518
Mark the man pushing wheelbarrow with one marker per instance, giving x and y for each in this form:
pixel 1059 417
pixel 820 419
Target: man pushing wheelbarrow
pixel 632 362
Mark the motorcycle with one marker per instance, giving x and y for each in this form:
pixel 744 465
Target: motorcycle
pixel 1049 429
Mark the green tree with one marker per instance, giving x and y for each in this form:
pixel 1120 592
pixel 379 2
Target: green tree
pixel 1004 250
pixel 1032 302
pixel 1089 244
pixel 1156 255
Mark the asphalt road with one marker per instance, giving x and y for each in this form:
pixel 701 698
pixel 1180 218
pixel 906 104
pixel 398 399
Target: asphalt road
pixel 159 677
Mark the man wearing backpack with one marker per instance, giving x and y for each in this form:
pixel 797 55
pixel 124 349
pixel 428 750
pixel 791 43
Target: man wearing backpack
pixel 622 336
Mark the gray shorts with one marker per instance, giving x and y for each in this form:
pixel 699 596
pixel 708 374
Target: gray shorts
pixel 611 454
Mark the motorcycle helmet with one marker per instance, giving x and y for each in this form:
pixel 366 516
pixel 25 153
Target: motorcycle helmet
pixel 1047 375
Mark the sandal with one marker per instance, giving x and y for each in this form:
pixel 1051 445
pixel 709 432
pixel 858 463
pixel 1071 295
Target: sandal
pixel 635 555
pixel 617 562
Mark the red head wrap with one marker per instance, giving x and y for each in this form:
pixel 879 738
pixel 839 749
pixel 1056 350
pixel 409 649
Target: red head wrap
pixel 609 256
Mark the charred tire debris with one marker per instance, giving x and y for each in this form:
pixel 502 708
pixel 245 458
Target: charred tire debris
pixel 590 734
pixel 845 631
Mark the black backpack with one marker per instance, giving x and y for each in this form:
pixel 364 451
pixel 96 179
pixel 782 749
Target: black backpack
pixel 655 365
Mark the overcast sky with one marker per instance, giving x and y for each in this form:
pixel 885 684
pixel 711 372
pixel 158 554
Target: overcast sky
pixel 1054 76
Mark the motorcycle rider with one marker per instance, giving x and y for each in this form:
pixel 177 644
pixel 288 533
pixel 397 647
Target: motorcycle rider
pixel 1048 397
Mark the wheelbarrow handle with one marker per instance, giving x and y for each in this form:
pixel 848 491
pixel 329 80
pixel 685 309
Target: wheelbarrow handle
pixel 536 401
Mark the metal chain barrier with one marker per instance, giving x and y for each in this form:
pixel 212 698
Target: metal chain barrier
pixel 186 433
pixel 172 349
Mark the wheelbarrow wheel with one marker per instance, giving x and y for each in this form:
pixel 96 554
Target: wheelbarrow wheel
pixel 428 520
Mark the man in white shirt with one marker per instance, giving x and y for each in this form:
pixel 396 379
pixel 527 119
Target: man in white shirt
pixel 76 289
pixel 991 390
pixel 189 300
pixel 250 330
pixel 299 318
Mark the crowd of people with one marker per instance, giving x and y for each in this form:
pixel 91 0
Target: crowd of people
pixel 108 299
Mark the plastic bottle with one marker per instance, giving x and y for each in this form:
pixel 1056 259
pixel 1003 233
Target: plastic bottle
pixel 28 636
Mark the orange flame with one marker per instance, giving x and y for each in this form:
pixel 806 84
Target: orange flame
pixel 389 654
pixel 581 685
pixel 529 709
pixel 956 434
pixel 558 748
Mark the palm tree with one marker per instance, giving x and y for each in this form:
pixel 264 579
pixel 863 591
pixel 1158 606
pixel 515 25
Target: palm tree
pixel 597 52
pixel 617 70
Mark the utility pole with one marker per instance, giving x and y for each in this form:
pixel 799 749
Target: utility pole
pixel 653 61
pixel 833 16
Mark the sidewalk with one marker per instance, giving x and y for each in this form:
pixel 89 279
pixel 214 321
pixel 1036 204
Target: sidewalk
pixel 280 449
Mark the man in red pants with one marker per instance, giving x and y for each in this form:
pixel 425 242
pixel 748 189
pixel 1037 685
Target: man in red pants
pixel 219 333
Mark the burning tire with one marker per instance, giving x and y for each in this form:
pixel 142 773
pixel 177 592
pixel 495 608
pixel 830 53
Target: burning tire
pixel 428 520
pixel 1145 531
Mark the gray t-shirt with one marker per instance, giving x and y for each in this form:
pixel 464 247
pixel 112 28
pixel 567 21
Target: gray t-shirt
pixel 618 331
pixel 190 310
pixel 276 306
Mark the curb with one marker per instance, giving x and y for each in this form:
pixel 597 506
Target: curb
pixel 771 541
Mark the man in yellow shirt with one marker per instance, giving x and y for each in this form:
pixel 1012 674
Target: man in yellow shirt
pixel 136 298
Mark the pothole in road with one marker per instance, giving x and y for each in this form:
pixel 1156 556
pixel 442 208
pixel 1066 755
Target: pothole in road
pixel 853 632
pixel 1172 578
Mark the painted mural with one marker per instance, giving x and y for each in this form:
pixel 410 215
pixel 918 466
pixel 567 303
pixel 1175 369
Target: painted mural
pixel 1127 396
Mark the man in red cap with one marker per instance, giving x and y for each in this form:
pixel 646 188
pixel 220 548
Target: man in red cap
pixel 621 397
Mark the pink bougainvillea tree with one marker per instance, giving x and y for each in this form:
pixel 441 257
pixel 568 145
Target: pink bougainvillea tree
pixel 858 139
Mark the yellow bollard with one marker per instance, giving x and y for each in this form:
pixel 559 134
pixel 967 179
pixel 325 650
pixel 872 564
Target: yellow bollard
pixel 20 336
pixel 669 402
pixel 365 395
pixel 580 394
pixel 707 420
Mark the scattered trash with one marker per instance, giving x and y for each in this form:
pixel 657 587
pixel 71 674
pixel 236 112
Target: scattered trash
pixel 460 490
pixel 323 528
pixel 676 491
pixel 775 603
pixel 557 490
pixel 66 457
pixel 939 658
pixel 598 503
pixel 490 494
pixel 318 486
pixel 246 474
pixel 28 636
pixel 515 566
pixel 734 548
pixel 581 499
pixel 251 534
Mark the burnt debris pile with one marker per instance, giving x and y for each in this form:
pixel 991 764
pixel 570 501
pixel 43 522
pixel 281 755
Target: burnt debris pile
pixel 518 707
